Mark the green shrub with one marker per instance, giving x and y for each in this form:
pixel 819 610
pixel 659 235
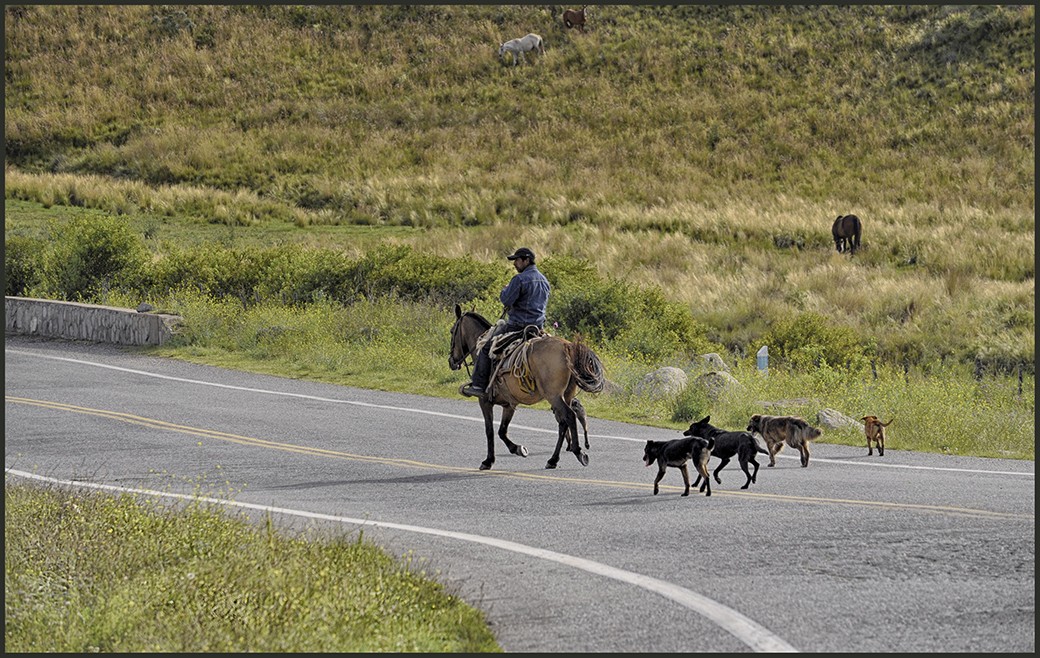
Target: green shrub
pixel 443 281
pixel 291 274
pixel 809 340
pixel 22 263
pixel 638 321
pixel 598 311
pixel 216 271
pixel 673 323
pixel 690 404
pixel 87 256
pixel 318 274
pixel 167 23
pixel 568 272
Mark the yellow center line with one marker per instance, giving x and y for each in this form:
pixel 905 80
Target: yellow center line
pixel 408 463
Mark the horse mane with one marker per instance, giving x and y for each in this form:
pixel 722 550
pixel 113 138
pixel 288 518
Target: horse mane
pixel 484 322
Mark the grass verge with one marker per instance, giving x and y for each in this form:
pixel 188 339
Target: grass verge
pixel 91 572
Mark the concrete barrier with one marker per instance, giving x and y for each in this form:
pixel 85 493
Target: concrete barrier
pixel 75 321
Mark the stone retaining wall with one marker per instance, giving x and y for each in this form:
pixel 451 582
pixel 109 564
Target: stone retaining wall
pixel 100 324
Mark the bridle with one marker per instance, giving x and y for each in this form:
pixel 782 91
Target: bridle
pixel 468 356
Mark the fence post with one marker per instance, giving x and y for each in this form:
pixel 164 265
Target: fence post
pixel 762 359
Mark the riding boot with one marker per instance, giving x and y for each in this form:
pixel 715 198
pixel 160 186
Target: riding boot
pixel 481 374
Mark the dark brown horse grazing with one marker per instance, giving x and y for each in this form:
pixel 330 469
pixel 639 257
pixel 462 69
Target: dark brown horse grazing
pixel 556 369
pixel 576 18
pixel 846 231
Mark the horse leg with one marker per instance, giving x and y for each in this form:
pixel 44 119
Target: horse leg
pixel 579 413
pixel 555 459
pixel 568 422
pixel 488 410
pixel 573 429
pixel 503 427
pixel 561 434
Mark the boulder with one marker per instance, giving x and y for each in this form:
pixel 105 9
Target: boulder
pixel 835 420
pixel 716 383
pixel 713 362
pixel 663 381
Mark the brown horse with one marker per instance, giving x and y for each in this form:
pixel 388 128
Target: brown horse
pixel 576 18
pixel 846 231
pixel 556 369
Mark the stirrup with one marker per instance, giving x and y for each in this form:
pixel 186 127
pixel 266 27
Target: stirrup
pixel 469 390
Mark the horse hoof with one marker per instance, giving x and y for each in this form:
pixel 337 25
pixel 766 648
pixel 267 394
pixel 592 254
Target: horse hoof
pixel 583 458
pixel 484 466
pixel 520 450
pixel 549 465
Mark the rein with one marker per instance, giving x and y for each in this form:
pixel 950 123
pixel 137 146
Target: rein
pixel 467 357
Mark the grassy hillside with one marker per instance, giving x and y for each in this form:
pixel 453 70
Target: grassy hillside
pixel 404 114
pixel 703 150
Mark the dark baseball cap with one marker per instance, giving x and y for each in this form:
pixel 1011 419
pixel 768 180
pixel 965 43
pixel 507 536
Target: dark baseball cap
pixel 522 252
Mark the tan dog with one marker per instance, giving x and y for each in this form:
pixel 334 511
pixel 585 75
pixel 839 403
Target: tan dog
pixel 778 430
pixel 875 430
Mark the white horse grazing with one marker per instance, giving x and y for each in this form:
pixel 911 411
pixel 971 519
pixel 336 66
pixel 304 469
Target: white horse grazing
pixel 517 47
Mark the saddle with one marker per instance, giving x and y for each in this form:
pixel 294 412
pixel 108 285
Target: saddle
pixel 509 353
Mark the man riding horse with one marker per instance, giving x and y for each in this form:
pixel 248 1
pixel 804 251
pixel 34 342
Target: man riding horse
pixel 525 298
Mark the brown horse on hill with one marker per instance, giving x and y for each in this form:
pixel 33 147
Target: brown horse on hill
pixel 545 368
pixel 846 231
pixel 576 18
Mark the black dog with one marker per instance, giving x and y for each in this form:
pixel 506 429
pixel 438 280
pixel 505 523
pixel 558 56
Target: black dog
pixel 728 444
pixel 676 453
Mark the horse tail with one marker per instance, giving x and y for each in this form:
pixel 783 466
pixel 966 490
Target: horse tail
pixel 586 366
pixel 859 230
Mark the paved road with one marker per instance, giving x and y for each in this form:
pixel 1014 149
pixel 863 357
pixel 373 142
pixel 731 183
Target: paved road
pixel 906 553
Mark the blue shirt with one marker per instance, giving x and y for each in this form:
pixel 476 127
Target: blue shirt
pixel 526 297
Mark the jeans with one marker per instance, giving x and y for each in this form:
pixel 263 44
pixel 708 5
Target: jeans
pixel 482 368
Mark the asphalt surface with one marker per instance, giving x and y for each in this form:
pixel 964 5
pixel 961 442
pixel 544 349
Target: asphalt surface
pixel 910 552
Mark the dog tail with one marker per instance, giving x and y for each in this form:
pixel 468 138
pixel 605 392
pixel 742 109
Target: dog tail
pixel 758 446
pixel 885 424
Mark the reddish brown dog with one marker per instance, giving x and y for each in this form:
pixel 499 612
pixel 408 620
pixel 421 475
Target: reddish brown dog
pixel 875 431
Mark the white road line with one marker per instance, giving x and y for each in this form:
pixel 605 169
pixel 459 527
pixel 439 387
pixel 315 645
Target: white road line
pixel 830 460
pixel 459 417
pixel 751 633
